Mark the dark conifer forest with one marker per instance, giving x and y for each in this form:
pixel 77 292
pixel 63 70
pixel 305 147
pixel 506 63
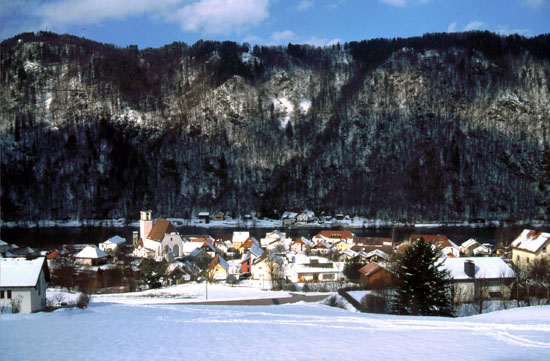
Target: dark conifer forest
pixel 442 127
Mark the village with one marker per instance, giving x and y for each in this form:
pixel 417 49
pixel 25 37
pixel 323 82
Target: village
pixel 330 261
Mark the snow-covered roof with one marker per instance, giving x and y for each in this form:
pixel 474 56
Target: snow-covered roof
pixel 204 214
pixel 256 250
pixel 469 243
pixel 288 214
pixel 304 240
pixel 196 252
pixel 116 240
pixel 20 272
pixel 530 241
pixel 91 252
pixel 378 253
pixel 2 243
pixel 485 267
pixel 240 237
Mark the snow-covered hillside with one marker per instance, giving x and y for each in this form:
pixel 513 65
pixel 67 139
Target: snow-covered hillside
pixel 107 331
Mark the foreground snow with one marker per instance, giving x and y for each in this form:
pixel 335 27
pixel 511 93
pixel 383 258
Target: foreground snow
pixel 107 331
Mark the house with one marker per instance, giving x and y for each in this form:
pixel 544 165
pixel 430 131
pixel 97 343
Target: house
pixel 23 283
pixel 263 267
pixel 248 244
pixel 218 216
pixel 305 216
pixel 473 248
pixel 157 240
pixel 4 247
pixel 300 245
pixel 530 246
pixel 304 268
pixel 321 247
pixel 178 273
pixel 375 276
pixel 218 269
pixel 289 218
pixel 333 237
pixel 342 246
pixel 274 239
pixel 239 238
pixel 472 277
pixel 112 245
pixel 91 256
pixel 204 216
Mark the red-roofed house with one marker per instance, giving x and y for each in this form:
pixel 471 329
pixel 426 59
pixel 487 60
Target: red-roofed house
pixel 375 276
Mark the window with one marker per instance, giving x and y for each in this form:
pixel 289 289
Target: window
pixel 527 259
pixel 1 294
pixel 9 293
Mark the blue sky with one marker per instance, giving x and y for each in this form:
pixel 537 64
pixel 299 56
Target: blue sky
pixel 153 23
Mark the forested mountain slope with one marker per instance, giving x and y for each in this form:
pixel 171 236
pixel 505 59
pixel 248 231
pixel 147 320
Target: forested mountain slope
pixel 444 127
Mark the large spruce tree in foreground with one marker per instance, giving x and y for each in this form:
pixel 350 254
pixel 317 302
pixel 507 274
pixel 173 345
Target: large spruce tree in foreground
pixel 422 286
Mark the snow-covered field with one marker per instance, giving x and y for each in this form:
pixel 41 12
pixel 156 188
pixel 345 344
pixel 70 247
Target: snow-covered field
pixel 302 331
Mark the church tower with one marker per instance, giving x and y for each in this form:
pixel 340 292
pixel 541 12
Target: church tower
pixel 145 224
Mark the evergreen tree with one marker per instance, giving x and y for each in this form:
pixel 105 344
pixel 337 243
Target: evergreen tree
pixel 422 287
pixel 351 269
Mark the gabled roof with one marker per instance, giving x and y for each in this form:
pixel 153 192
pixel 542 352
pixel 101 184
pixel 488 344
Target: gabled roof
pixel 378 253
pixel 371 268
pixel 530 241
pixel 485 268
pixel 335 234
pixel 20 272
pixel 219 260
pixel 371 241
pixel 161 227
pixel 469 243
pixel 430 238
pixel 116 240
pixel 2 243
pixel 303 240
pixel 91 252
pixel 256 250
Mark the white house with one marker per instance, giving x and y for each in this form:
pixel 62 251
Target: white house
pixel 489 277
pixel 274 239
pixel 24 282
pixel 112 245
pixel 311 269
pixel 333 237
pixel 91 256
pixel 530 246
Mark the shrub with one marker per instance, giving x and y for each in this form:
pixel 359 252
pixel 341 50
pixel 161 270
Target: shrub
pixel 83 300
pixel 334 301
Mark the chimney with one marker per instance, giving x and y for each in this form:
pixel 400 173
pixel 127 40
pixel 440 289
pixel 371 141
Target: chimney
pixel 470 269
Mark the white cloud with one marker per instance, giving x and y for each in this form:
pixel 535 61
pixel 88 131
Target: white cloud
pixel 503 29
pixel 65 12
pixel 209 16
pixel 283 37
pixel 221 16
pixel 452 27
pixel 474 25
pixel 533 3
pixel 320 41
pixel 304 5
pixel 395 2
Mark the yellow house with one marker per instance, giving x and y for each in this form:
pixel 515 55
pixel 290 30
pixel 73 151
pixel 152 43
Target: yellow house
pixel 218 268
pixel 342 246
pixel 529 246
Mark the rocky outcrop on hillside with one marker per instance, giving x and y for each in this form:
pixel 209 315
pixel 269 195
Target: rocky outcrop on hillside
pixel 439 128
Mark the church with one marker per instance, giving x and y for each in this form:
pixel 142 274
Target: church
pixel 158 239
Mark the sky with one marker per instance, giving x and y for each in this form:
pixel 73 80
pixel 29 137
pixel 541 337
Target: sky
pixel 154 23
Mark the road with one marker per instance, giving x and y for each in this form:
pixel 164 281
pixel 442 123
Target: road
pixel 295 297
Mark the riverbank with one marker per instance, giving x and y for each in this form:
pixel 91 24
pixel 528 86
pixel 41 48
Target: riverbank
pixel 350 222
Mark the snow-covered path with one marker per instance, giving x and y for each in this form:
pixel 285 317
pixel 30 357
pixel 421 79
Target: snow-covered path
pixel 107 331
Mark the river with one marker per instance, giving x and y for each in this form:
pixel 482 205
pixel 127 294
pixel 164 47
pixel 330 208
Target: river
pixel 49 238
